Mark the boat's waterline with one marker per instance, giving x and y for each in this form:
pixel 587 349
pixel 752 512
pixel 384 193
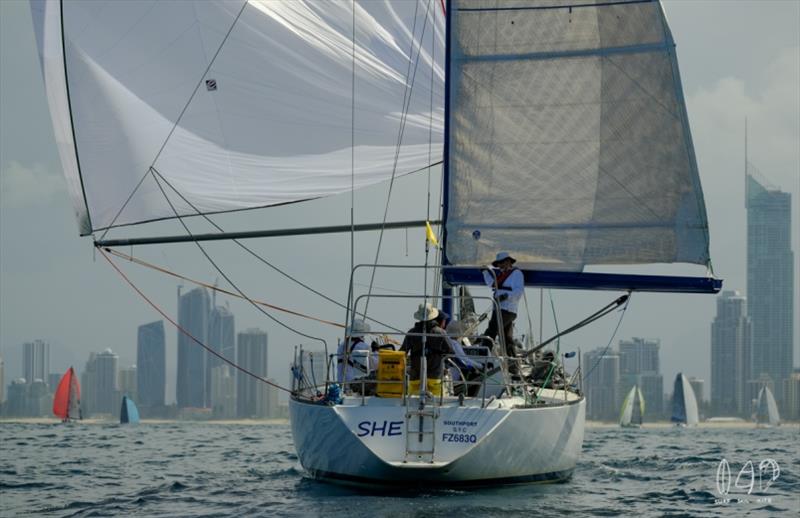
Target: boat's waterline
pixel 370 443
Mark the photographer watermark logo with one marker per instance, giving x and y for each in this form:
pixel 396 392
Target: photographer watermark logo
pixel 742 491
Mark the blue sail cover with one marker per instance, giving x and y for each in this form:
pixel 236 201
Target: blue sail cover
pixel 128 414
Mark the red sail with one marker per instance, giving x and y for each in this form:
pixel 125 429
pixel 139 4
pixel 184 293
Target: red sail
pixel 67 396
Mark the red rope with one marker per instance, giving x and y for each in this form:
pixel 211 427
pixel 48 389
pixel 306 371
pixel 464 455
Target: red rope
pixel 184 331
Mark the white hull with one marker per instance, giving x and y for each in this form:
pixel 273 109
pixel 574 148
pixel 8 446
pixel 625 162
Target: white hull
pixel 366 444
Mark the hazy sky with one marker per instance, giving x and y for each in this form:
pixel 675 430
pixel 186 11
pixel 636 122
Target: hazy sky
pixel 738 59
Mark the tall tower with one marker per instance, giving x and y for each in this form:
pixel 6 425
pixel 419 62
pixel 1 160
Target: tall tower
pixel 221 338
pixel 602 385
pixel 251 394
pixel 193 316
pixel 106 382
pixel 730 356
pixel 151 371
pixel 770 281
pixel 36 361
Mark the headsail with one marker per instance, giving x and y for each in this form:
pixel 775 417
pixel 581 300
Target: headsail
pixel 128 413
pixel 684 403
pixel 767 409
pixel 632 408
pixel 67 397
pixel 569 143
pixel 236 104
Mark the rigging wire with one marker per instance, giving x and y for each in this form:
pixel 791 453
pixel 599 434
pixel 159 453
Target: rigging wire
pixel 610 340
pixel 258 257
pixel 407 94
pixel 226 277
pixel 184 331
pixel 213 287
pixel 178 119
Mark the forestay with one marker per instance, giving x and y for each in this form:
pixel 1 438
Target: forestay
pixel 569 143
pixel 236 104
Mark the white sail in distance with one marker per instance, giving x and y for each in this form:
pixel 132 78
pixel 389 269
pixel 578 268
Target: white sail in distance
pixel 236 104
pixel 767 408
pixel 569 142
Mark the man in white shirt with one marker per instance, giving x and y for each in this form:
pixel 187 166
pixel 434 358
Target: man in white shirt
pixel 508 285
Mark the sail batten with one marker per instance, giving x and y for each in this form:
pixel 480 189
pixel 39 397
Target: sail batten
pixel 568 135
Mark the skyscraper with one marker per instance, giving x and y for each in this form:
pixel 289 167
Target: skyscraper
pixel 223 392
pixel 151 372
pixel 770 281
pixel 221 338
pixel 639 364
pixel 193 316
pixel 601 385
pixel 106 382
pixel 730 356
pixel 252 398
pixel 128 383
pixel 36 361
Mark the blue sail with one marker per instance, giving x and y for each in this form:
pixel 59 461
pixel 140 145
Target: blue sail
pixel 128 414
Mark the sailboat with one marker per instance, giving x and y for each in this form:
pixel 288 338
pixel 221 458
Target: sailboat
pixel 67 398
pixel 563 139
pixel 766 409
pixel 632 409
pixel 684 403
pixel 128 413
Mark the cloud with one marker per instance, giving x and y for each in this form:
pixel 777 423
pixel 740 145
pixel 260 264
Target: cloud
pixel 29 186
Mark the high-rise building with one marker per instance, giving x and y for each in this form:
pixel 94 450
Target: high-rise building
pixel 770 281
pixel 601 385
pixel 223 392
pixel 698 387
pixel 193 316
pixel 730 356
pixel 151 372
pixel 221 338
pixel 252 399
pixel 791 397
pixel 36 361
pixel 53 379
pixel 106 382
pixel 639 364
pixel 128 383
pixel 88 383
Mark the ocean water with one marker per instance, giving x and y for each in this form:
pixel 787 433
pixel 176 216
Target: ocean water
pixel 200 469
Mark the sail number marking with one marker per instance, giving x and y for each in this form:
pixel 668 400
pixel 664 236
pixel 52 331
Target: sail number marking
pixel 460 437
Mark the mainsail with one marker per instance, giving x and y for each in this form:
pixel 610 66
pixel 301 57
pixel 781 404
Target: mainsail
pixel 684 403
pixel 568 139
pixel 67 398
pixel 236 104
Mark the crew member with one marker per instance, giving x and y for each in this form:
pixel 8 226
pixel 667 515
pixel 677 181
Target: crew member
pixel 436 347
pixel 508 285
pixel 353 354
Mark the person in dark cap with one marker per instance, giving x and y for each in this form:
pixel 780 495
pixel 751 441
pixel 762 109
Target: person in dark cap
pixel 508 285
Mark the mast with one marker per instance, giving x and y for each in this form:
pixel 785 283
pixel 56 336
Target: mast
pixel 447 291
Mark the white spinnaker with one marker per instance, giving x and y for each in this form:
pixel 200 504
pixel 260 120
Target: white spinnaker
pixel 271 120
pixel 569 139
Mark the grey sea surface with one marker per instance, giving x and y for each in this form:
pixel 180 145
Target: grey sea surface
pixel 206 469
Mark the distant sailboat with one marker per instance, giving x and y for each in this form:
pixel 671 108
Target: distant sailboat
pixel 632 409
pixel 684 404
pixel 67 399
pixel 128 414
pixel 766 409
